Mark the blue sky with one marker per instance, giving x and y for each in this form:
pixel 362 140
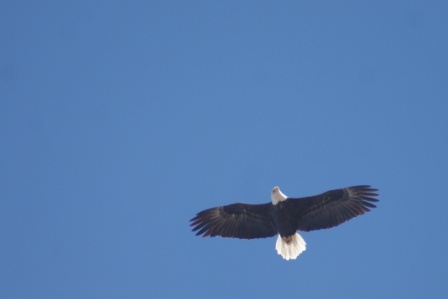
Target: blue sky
pixel 120 120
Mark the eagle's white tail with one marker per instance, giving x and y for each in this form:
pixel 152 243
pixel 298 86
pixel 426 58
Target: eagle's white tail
pixel 290 247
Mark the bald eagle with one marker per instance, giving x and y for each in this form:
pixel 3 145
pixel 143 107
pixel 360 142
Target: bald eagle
pixel 285 216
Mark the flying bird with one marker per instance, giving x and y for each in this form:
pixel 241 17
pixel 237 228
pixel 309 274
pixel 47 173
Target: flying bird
pixel 285 216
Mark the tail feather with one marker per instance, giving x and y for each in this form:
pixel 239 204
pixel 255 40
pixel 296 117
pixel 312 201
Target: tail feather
pixel 290 248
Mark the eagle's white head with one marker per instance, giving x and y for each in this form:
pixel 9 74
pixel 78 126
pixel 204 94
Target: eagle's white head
pixel 277 196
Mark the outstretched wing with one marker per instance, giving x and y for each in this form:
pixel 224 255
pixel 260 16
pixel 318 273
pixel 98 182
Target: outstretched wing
pixel 332 207
pixel 243 221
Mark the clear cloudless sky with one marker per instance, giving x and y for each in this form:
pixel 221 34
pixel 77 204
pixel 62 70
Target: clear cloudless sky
pixel 120 120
